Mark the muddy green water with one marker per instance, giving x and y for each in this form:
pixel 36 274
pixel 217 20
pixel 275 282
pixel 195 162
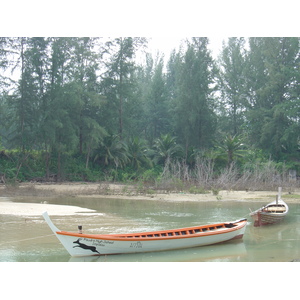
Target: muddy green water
pixel 29 239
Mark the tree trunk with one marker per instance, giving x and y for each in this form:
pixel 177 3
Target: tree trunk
pixel 87 157
pixel 58 166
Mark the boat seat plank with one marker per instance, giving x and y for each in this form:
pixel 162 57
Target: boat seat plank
pixel 275 209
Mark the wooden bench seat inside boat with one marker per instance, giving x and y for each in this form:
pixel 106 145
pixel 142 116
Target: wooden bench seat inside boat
pixel 275 209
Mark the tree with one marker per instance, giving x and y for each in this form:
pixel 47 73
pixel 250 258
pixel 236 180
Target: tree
pixel 112 152
pixel 195 120
pixel 166 148
pixel 232 148
pixel 156 120
pixel 21 108
pixel 138 153
pixel 273 114
pixel 232 84
pixel 5 51
pixel 5 45
pixel 85 62
pixel 74 89
pixel 26 104
pixel 172 75
pixel 117 83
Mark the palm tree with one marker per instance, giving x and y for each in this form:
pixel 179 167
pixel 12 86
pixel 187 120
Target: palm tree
pixel 137 153
pixel 232 149
pixel 165 148
pixel 192 154
pixel 112 151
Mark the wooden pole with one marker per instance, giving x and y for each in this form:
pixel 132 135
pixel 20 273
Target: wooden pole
pixel 279 195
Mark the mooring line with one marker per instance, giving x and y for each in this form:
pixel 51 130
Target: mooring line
pixel 37 237
pixel 246 215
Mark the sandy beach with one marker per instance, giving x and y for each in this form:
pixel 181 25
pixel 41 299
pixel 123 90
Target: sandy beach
pixel 113 191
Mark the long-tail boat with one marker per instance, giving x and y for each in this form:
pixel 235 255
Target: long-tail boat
pixel 272 213
pixel 82 244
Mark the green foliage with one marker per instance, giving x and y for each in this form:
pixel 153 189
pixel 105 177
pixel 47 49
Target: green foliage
pixel 155 100
pixel 137 153
pixel 166 148
pixel 151 175
pixel 83 109
pixel 273 79
pixel 232 149
pixel 194 118
pixel 197 190
pixel 112 152
pixel 232 85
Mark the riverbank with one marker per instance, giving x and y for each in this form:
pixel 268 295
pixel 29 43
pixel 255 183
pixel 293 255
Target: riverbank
pixel 113 191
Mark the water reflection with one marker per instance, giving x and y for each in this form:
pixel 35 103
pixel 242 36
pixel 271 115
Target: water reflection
pixel 30 239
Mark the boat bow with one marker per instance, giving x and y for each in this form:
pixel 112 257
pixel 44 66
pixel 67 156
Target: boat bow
pixel 50 223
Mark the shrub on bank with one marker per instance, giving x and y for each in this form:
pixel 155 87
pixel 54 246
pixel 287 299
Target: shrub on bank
pixel 175 175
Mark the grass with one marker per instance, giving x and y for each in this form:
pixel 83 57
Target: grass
pixel 291 196
pixel 197 190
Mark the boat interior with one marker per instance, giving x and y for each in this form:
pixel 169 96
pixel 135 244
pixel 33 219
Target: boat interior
pixel 175 233
pixel 178 232
pixel 275 208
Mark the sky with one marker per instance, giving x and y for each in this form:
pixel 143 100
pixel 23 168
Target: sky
pixel 216 19
pixel 167 22
pixel 167 44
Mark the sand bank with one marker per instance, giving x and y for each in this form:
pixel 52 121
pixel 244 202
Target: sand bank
pixel 113 191
pixel 34 209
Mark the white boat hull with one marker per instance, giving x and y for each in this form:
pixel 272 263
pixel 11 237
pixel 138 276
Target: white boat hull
pixel 104 247
pixel 84 245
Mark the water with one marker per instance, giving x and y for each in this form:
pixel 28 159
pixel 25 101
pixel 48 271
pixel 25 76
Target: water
pixel 29 239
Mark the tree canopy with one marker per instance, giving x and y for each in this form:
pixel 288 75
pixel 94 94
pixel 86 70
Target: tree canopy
pixel 93 99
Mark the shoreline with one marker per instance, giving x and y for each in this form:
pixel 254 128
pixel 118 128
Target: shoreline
pixel 114 191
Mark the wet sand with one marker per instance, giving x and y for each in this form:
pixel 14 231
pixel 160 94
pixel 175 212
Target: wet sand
pixel 113 191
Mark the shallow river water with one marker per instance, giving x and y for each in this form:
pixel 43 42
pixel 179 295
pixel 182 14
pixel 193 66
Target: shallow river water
pixel 29 239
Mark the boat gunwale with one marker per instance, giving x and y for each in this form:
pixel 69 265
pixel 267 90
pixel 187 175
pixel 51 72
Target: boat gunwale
pixel 130 236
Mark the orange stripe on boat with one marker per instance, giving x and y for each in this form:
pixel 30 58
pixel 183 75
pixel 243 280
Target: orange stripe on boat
pixel 181 233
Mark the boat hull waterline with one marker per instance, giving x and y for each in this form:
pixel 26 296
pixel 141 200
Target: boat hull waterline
pixel 78 244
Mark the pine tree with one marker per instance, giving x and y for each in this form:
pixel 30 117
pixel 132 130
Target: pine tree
pixel 118 82
pixel 232 85
pixel 194 116
pixel 274 110
pixel 157 119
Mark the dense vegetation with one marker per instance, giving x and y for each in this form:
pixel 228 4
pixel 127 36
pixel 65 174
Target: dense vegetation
pixel 92 109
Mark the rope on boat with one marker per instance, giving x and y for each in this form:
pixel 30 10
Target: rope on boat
pixel 37 237
pixel 246 215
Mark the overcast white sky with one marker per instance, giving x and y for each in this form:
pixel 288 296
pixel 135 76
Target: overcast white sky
pixel 150 18
pixel 166 21
pixel 167 44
